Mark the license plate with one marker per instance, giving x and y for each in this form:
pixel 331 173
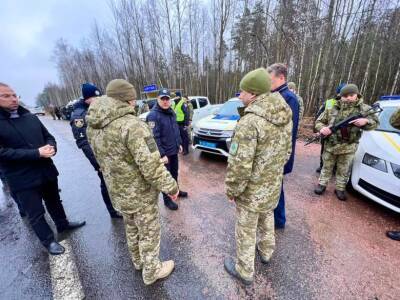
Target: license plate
pixel 208 144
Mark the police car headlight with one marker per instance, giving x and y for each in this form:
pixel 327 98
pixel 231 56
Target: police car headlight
pixel 228 143
pixel 375 162
pixel 396 170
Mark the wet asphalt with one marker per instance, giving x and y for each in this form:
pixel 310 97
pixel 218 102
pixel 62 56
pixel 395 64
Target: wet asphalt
pixel 329 249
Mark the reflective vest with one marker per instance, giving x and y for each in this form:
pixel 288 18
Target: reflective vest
pixel 180 115
pixel 330 103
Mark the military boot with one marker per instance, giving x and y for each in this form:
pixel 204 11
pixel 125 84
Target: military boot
pixel 170 204
pixel 229 265
pixel 341 195
pixel 166 269
pixel 320 189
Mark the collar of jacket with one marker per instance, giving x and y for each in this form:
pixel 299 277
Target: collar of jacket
pixel 281 88
pixel 81 104
pixel 168 111
pixel 4 114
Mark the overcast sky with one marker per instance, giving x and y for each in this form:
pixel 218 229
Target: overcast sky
pixel 28 32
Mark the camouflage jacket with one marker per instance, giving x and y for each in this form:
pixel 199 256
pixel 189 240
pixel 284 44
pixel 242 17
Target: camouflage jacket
pixel 301 107
pixel 395 119
pixel 260 148
pixel 127 154
pixel 345 141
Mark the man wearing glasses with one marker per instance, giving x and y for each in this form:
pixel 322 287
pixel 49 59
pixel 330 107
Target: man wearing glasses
pixel 162 120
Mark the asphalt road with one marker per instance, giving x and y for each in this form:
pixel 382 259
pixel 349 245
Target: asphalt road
pixel 329 249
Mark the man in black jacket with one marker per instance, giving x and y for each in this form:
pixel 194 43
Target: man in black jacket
pixel 162 120
pixel 78 124
pixel 26 148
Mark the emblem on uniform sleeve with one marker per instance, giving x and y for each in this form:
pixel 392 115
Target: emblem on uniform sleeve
pixel 234 148
pixel 79 123
pixel 152 124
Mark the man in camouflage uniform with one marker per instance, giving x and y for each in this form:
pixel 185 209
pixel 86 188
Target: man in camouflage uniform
pixel 395 122
pixel 134 173
pixel 293 88
pixel 191 114
pixel 260 148
pixel 341 146
pixel 143 109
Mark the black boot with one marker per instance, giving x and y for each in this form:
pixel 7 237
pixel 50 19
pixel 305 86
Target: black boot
pixel 394 235
pixel 182 194
pixel 55 248
pixel 320 189
pixel 341 195
pixel 115 215
pixel 71 226
pixel 229 265
pixel 170 204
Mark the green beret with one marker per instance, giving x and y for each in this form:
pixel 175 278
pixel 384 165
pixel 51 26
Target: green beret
pixel 349 89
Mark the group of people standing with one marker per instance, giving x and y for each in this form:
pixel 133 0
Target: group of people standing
pixel 137 160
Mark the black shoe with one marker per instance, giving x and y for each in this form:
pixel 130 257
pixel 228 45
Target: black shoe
pixel 71 226
pixel 318 170
pixel 170 204
pixel 182 194
pixel 394 235
pixel 320 189
pixel 340 195
pixel 115 215
pixel 55 248
pixel 229 265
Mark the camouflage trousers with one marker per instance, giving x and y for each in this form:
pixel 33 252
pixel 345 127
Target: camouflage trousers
pixel 343 164
pixel 247 223
pixel 143 237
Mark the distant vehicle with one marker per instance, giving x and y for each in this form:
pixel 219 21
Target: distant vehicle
pixel 38 111
pixel 213 134
pixel 376 166
pixel 201 107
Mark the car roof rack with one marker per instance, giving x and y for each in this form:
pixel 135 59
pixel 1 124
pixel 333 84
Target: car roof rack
pixel 390 97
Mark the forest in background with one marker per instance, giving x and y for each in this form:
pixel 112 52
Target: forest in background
pixel 205 47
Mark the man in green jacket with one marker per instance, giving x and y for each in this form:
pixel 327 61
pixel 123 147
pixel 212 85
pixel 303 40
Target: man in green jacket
pixel 134 173
pixel 260 148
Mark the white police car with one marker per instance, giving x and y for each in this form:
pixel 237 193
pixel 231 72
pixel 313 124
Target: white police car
pixel 376 166
pixel 213 134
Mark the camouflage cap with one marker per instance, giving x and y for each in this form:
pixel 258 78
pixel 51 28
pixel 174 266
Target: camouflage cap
pixel 121 89
pixel 349 89
pixel 291 85
pixel 256 82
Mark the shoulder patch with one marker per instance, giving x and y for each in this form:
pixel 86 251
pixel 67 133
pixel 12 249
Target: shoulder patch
pixel 79 123
pixel 152 124
pixel 151 144
pixel 234 149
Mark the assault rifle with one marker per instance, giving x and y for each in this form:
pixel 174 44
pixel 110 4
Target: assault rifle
pixel 346 122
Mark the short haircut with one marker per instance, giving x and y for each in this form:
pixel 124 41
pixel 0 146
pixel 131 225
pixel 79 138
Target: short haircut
pixel 278 69
pixel 3 85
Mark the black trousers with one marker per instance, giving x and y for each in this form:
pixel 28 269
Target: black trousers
pixel 104 193
pixel 184 137
pixel 172 167
pixel 31 201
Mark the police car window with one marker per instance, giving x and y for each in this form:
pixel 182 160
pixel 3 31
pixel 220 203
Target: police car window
pixel 230 108
pixel 384 119
pixel 194 103
pixel 203 102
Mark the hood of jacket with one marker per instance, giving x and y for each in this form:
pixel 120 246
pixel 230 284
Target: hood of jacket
pixel 272 107
pixel 105 110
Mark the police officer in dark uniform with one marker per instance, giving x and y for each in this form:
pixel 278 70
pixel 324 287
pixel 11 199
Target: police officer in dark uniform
pixel 162 120
pixel 78 124
pixel 183 119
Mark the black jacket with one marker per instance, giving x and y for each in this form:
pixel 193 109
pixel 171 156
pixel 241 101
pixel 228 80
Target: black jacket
pixel 20 161
pixel 79 125
pixel 165 130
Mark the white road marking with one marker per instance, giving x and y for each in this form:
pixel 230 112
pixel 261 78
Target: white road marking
pixel 64 275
